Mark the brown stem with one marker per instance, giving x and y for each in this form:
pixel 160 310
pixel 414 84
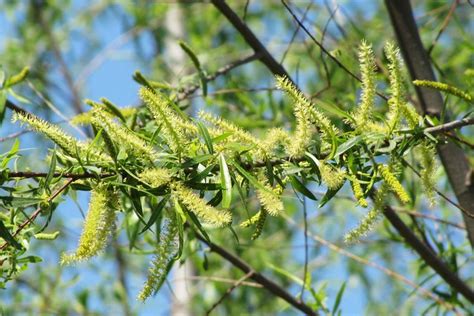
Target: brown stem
pixel 266 58
pixel 453 158
pixel 258 277
pixel 428 255
pixel 38 210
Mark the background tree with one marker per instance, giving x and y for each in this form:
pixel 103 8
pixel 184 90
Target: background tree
pixel 417 258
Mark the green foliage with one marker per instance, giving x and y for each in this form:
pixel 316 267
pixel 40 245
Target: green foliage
pixel 231 173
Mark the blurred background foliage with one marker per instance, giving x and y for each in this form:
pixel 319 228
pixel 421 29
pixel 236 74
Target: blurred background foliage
pixel 80 49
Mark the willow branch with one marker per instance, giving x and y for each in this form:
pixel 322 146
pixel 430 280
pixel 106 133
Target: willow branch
pixel 450 126
pixel 38 210
pixel 453 158
pixel 397 276
pixel 221 71
pixel 429 257
pixel 266 58
pixel 74 176
pixel 268 284
pixel 229 290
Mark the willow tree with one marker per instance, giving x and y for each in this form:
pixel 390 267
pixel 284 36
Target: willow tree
pixel 243 173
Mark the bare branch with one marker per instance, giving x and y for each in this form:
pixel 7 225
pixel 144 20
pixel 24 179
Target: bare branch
pixel 266 58
pixel 257 277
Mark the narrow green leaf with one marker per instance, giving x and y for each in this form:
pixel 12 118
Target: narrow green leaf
pixel 17 201
pixel 155 213
pixel 226 182
pixel 196 160
pixel 195 222
pixel 3 102
pixel 205 134
pixel 113 109
pixel 5 234
pixel 30 259
pixel 197 64
pixel 249 177
pixel 328 196
pixel 348 145
pixel 202 175
pixel 52 168
pixel 11 153
pixel 300 187
pixel 17 78
pixel 139 78
pixel 338 298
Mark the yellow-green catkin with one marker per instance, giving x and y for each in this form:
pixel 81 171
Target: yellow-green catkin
pixel 358 192
pixel 175 129
pixel 276 137
pixel 445 88
pixel 165 254
pixel 411 116
pixel 396 100
pixel 332 177
pixel 86 117
pixel 364 227
pixel 198 206
pixel 155 177
pixel 260 222
pixel 306 115
pixel 122 135
pixel 304 128
pixel 67 143
pixel 237 134
pixel 270 197
pixel 363 113
pixel 393 184
pixel 367 223
pixel 428 165
pixel 98 225
pixel 251 221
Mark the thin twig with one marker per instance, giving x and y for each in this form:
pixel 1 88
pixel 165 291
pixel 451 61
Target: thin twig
pixel 219 279
pixel 266 58
pixel 221 71
pixel 295 33
pixel 430 217
pixel 390 273
pixel 443 25
pixel 74 176
pixel 229 290
pixel 257 277
pixel 429 257
pixel 63 67
pixel 38 210
pixel 443 128
pixel 442 195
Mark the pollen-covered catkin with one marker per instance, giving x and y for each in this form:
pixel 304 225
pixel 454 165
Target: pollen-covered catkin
pixel 198 206
pixel 165 253
pixel 98 225
pixel 393 184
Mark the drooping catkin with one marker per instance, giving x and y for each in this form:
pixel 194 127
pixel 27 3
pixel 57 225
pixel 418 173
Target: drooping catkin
pixel 269 198
pixel 164 257
pixel 98 225
pixel 393 184
pixel 331 176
